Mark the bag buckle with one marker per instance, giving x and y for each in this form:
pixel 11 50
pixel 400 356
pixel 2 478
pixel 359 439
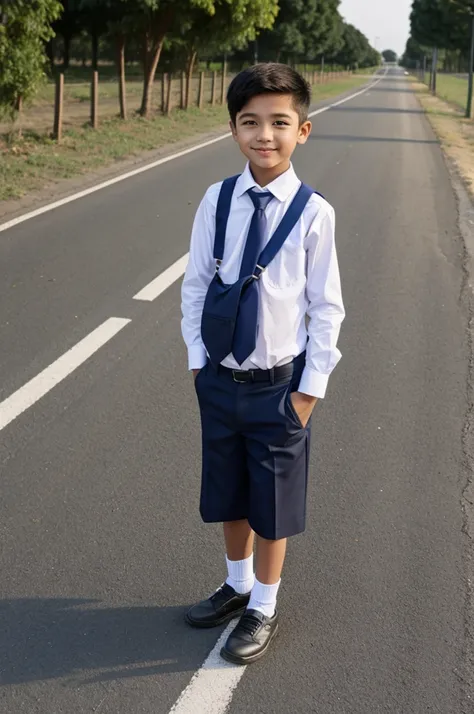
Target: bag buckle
pixel 261 269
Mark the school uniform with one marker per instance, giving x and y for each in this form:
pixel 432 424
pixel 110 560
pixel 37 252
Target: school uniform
pixel 255 449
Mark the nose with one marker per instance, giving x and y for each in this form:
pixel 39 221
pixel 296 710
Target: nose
pixel 265 133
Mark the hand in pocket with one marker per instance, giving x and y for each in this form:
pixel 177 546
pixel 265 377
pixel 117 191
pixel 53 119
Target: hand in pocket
pixel 303 404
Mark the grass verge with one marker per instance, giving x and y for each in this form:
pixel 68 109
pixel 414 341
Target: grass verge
pixel 32 162
pixel 452 89
pixel 455 132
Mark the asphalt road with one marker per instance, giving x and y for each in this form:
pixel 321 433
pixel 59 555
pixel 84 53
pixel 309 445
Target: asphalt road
pixel 101 544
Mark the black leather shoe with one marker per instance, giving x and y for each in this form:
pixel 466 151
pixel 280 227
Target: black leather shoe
pixel 221 607
pixel 251 638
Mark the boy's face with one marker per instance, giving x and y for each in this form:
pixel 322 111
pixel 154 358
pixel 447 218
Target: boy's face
pixel 267 131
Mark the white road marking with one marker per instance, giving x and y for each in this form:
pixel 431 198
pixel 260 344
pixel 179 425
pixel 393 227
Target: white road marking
pixel 109 182
pixel 211 688
pixel 347 99
pixel 163 281
pixel 129 174
pixel 37 387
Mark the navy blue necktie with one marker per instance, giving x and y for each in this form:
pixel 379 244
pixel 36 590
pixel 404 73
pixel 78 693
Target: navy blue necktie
pixel 245 335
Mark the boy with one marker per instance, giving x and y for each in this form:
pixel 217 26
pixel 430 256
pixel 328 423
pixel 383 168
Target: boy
pixel 262 310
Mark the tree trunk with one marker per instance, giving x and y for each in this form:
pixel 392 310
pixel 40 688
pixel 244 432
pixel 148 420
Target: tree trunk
pixel 153 46
pixel 95 51
pixel 189 78
pixel 121 75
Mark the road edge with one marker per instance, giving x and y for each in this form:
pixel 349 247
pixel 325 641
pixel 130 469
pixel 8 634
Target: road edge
pixel 465 222
pixel 466 299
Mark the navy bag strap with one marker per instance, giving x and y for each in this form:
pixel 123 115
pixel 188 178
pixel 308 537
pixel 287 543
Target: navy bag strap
pixel 222 215
pixel 287 223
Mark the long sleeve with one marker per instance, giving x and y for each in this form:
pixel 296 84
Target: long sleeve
pixel 199 273
pixel 325 306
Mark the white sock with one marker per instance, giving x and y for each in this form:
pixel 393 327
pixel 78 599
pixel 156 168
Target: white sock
pixel 263 598
pixel 241 576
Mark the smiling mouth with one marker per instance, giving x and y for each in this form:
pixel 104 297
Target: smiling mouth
pixel 264 151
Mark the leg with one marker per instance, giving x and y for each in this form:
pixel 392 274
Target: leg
pixel 270 559
pixel 238 539
pixel 277 460
pixel 231 599
pixel 224 498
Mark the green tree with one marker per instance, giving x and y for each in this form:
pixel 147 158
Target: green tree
pixel 116 19
pixel 68 25
pixel 25 29
pixel 303 28
pixel 441 23
pixel 155 19
pixel 324 33
pixel 95 16
pixel 356 50
pixel 389 56
pixel 231 26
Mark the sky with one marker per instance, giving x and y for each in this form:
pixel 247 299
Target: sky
pixel 385 23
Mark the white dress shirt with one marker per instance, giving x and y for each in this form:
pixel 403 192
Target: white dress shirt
pixel 301 281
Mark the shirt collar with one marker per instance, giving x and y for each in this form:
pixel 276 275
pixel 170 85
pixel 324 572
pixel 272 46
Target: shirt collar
pixel 282 187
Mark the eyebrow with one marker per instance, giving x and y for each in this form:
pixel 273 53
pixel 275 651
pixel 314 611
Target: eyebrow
pixel 251 115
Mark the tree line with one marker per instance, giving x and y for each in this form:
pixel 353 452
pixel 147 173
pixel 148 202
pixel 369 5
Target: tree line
pixel 442 26
pixel 171 34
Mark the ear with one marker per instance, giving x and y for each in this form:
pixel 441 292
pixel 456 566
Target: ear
pixel 233 130
pixel 304 132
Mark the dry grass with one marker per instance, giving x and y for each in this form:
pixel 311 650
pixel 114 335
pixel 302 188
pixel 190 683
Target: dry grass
pixel 455 132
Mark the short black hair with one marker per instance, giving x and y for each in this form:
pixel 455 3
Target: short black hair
pixel 268 78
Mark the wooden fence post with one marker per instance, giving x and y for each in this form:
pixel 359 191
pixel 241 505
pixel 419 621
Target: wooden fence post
pixel 223 86
pixel 214 84
pixel 168 94
pixel 201 90
pixel 183 90
pixel 163 93
pixel 95 100
pixel 58 108
pixel 189 91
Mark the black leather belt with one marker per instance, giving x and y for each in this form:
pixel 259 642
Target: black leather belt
pixel 257 375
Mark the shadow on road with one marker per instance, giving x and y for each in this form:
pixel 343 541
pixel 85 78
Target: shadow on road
pixel 391 89
pixel 347 137
pixel 44 639
pixel 377 110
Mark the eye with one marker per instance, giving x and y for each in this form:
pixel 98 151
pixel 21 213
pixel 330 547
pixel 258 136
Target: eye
pixel 248 122
pixel 281 122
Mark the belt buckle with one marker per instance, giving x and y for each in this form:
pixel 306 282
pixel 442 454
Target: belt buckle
pixel 236 373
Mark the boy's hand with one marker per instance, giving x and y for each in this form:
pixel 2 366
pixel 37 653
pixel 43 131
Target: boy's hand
pixel 195 372
pixel 303 404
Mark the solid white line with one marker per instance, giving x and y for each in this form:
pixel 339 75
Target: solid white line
pixel 162 282
pixel 211 688
pixel 86 192
pixel 109 182
pixel 37 387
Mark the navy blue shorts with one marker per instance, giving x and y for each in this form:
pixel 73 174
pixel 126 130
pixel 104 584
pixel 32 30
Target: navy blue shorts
pixel 255 452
